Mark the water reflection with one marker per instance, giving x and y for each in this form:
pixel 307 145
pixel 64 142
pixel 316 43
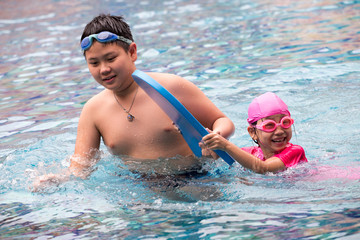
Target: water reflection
pixel 42 64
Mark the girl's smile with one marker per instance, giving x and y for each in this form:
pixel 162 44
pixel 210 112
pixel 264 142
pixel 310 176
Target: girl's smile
pixel 272 142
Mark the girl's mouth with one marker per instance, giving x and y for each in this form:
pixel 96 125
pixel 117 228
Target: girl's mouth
pixel 279 140
pixel 279 143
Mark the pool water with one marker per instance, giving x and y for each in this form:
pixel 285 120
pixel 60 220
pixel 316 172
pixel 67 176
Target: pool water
pixel 307 52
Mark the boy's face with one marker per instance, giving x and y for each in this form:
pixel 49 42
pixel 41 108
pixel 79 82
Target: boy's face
pixel 271 142
pixel 110 65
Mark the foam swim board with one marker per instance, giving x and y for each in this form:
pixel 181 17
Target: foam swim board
pixel 189 126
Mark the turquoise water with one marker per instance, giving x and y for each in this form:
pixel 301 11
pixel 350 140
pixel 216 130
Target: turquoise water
pixel 307 52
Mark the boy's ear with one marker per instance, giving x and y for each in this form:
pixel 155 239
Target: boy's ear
pixel 133 51
pixel 252 133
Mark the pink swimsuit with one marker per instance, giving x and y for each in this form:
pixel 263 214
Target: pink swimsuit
pixel 291 155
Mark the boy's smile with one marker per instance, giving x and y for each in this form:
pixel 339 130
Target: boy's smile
pixel 110 65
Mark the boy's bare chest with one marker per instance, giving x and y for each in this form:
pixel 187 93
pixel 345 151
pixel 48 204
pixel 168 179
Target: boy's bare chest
pixel 151 130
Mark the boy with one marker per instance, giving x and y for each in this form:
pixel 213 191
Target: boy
pixel 123 115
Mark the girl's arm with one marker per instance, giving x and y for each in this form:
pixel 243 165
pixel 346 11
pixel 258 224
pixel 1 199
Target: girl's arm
pixel 214 141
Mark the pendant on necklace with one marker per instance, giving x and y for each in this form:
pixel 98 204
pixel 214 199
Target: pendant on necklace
pixel 130 117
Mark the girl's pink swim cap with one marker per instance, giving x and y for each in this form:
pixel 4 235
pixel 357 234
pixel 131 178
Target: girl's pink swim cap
pixel 266 105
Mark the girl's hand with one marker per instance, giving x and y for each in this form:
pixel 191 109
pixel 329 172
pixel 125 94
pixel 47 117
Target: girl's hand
pixel 206 151
pixel 214 141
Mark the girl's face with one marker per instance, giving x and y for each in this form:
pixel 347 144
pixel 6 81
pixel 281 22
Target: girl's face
pixel 271 142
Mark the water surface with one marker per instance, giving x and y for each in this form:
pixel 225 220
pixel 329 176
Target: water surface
pixel 307 52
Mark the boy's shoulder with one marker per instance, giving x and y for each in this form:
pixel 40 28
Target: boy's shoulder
pixel 165 78
pixel 97 99
pixel 171 82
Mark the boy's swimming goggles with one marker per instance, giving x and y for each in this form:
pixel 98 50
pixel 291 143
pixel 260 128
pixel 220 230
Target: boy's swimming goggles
pixel 270 125
pixel 102 37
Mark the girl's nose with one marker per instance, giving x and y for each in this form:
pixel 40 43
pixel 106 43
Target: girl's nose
pixel 279 129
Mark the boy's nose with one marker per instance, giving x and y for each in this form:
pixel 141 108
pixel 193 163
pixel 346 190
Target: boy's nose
pixel 104 68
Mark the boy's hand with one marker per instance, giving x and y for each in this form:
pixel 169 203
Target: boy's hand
pixel 207 152
pixel 48 180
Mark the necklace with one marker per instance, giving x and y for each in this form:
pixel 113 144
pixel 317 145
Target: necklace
pixel 130 117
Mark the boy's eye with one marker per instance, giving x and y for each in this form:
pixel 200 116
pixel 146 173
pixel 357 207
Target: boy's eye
pixel 111 58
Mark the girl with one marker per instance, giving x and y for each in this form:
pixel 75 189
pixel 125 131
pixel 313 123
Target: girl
pixel 270 128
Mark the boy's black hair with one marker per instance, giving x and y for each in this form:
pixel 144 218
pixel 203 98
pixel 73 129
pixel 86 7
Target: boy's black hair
pixel 110 23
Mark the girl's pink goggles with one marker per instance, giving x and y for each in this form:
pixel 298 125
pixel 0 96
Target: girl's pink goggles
pixel 270 125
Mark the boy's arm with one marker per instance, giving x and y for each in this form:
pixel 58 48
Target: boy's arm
pixel 85 156
pixel 87 143
pixel 201 107
pixel 224 126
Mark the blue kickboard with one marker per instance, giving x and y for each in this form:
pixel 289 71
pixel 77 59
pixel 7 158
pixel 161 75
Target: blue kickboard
pixel 190 128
